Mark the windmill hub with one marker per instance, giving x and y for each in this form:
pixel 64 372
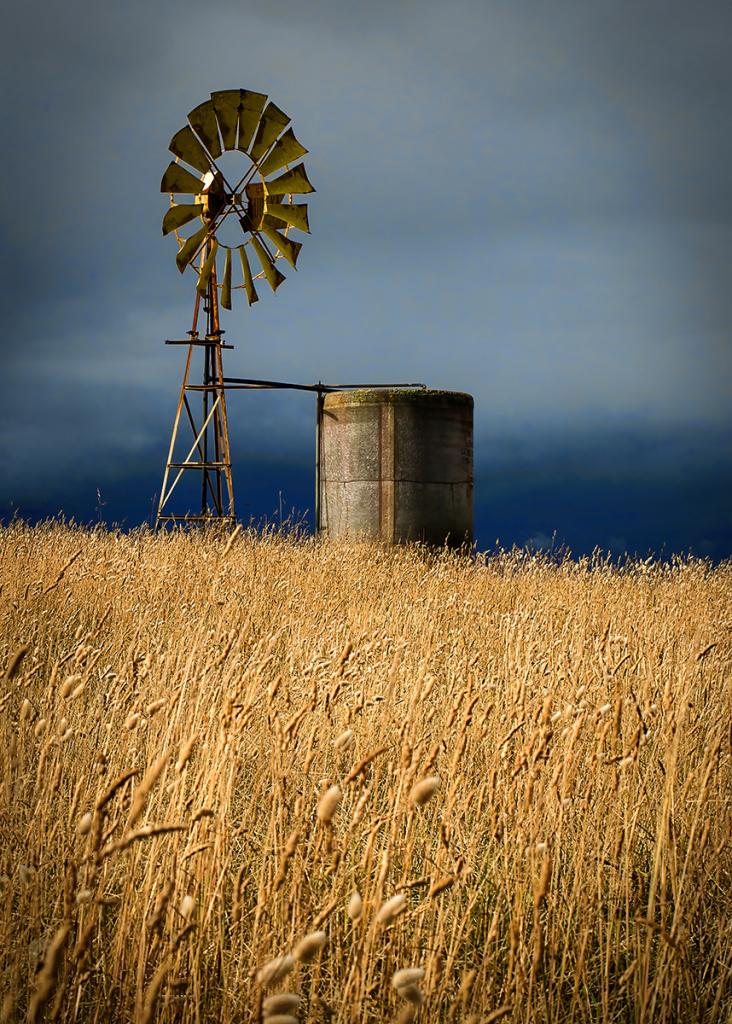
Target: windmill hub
pixel 214 196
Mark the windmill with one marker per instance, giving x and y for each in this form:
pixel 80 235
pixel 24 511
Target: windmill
pixel 256 211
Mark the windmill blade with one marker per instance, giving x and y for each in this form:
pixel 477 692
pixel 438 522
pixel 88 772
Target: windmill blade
pixel 274 277
pixel 189 248
pixel 226 108
pixel 251 106
pixel 226 285
pixel 205 276
pixel 294 182
pixel 249 288
pixel 178 179
pixel 272 123
pixel 295 214
pixel 286 150
pixel 185 145
pixel 289 249
pixel 203 121
pixel 179 215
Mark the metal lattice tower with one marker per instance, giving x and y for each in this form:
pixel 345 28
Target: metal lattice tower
pixel 261 210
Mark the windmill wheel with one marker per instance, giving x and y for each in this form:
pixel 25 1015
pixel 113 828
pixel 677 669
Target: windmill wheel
pixel 262 205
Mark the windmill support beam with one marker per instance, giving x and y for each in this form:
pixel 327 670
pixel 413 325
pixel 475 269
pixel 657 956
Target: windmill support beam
pixel 201 342
pixel 209 455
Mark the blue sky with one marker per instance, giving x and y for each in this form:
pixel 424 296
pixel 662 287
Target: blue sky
pixel 527 201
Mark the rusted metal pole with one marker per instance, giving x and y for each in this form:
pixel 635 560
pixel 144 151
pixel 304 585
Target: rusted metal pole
pixel 214 333
pixel 205 483
pixel 318 442
pixel 223 447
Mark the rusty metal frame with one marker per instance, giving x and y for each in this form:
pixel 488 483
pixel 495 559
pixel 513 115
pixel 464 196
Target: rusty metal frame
pixel 217 489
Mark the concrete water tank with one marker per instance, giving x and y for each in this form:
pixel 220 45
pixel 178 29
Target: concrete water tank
pixel 396 465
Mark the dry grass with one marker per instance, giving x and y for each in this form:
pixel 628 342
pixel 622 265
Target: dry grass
pixel 236 771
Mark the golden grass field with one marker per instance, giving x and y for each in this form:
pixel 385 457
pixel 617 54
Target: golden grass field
pixel 234 769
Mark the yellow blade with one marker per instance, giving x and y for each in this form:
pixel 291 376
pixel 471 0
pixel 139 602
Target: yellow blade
pixel 249 288
pixel 226 107
pixel 189 248
pixel 178 179
pixel 185 145
pixel 271 272
pixel 179 215
pixel 295 214
pixel 293 182
pixel 205 276
pixel 226 286
pixel 250 111
pixel 289 249
pixel 203 121
pixel 285 151
pixel 272 123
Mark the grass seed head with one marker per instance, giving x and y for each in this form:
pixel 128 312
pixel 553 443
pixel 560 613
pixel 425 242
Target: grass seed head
pixel 309 946
pixel 141 793
pixel 328 803
pixel 275 970
pixel 407 976
pixel 185 753
pixel 421 792
pixel 68 685
pixel 187 906
pixel 15 662
pixel 344 741
pixel 391 909
pixel 282 1002
pixel 355 906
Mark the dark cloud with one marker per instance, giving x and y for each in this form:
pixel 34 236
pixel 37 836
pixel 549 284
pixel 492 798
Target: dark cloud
pixel 530 202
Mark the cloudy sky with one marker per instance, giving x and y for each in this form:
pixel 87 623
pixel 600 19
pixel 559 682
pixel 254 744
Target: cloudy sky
pixel 527 201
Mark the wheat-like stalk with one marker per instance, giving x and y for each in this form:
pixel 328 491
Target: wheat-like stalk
pixel 499 786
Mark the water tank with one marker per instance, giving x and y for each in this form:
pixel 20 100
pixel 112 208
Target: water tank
pixel 396 465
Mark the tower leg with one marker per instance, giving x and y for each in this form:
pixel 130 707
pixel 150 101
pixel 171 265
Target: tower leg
pixel 210 452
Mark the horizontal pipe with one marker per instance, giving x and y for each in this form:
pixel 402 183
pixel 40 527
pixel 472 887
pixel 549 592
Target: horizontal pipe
pixel 251 382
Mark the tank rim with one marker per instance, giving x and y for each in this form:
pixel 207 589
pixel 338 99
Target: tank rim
pixel 397 396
